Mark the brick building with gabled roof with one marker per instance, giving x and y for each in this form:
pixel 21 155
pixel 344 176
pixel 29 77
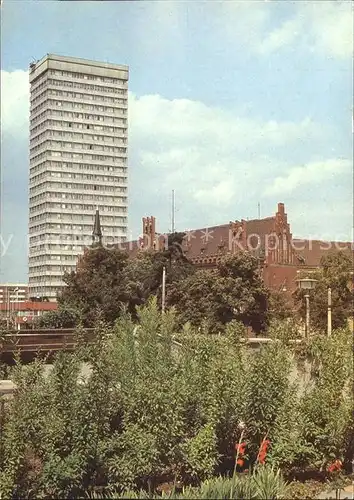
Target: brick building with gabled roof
pixel 280 255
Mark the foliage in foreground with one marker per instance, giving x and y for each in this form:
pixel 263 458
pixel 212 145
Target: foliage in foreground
pixel 264 483
pixel 154 412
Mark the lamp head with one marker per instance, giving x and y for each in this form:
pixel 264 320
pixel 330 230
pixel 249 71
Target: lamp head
pixel 306 283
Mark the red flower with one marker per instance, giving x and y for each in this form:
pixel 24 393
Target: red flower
pixel 263 451
pixel 240 448
pixel 240 462
pixel 265 443
pixel 336 465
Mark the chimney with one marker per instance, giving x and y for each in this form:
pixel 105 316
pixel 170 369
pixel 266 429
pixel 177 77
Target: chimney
pixel 281 208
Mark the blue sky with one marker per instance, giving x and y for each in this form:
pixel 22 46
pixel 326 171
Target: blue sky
pixel 231 104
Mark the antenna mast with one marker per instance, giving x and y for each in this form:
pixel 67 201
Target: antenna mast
pixel 259 210
pixel 173 211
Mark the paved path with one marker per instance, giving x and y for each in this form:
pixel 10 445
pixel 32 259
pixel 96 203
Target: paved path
pixel 7 386
pixel 345 493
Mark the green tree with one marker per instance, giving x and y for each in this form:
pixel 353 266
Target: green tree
pixel 279 306
pixel 143 274
pixel 335 272
pixel 108 281
pixel 97 284
pixel 232 291
pixel 62 318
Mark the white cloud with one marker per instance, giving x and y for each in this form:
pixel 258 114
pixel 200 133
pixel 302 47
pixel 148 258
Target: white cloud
pixel 219 194
pixel 212 156
pixel 287 34
pixel 313 173
pixel 160 25
pixel 15 101
pixel 219 163
pixel 328 219
pixel 202 126
pixel 331 25
pixel 243 21
pixel 322 26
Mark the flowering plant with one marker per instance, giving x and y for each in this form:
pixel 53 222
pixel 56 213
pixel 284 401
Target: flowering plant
pixel 262 453
pixel 240 452
pixel 335 466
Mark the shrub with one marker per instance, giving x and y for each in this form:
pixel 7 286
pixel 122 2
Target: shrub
pixel 267 385
pixel 315 426
pixel 154 410
pixel 263 483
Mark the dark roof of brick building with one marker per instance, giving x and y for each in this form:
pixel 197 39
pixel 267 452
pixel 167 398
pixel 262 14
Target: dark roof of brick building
pixel 216 240
pixel 313 250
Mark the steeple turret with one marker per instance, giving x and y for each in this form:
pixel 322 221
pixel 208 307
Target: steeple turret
pixel 97 231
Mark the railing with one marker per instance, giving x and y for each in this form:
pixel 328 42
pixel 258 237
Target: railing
pixel 41 340
pixel 55 340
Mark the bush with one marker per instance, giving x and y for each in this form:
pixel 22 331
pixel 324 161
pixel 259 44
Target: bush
pixel 316 425
pixel 263 483
pixel 155 411
pixel 304 491
pixel 62 318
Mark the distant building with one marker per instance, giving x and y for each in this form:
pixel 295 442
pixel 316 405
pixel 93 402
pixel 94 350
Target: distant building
pixel 281 257
pixel 78 161
pixel 13 292
pixel 21 315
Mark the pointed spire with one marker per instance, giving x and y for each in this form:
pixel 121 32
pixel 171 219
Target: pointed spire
pixel 97 231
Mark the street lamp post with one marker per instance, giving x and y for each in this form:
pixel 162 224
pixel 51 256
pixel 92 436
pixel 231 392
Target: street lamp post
pixel 8 309
pixel 307 323
pixel 11 305
pixel 307 284
pixel 329 312
pixel 163 289
pixel 16 308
